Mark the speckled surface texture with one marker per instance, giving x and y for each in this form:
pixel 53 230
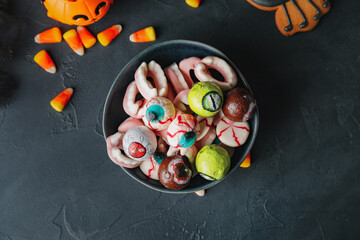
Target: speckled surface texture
pixel 56 181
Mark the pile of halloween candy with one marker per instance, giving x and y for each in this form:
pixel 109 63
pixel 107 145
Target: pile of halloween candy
pixel 181 128
pixel 77 40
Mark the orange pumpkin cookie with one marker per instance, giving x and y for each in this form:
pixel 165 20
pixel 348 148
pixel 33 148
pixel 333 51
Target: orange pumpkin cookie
pixel 294 16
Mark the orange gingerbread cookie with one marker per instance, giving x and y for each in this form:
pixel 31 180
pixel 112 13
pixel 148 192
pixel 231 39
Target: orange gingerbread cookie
pixel 294 16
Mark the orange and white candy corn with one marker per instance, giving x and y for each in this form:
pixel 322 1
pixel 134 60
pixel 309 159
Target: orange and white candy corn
pixel 60 101
pixel 106 36
pixel 247 162
pixel 144 35
pixel 43 59
pixel 52 35
pixel 73 40
pixel 86 37
pixel 193 3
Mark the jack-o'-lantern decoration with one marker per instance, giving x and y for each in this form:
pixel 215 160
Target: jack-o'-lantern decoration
pixel 77 12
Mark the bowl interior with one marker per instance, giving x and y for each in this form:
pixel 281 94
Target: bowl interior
pixel 165 54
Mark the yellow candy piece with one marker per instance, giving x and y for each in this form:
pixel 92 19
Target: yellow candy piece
pixel 247 162
pixel 143 35
pixel 73 40
pixel 106 36
pixel 193 3
pixel 60 101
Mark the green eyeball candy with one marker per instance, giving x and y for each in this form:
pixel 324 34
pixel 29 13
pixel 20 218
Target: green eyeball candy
pixel 213 162
pixel 205 99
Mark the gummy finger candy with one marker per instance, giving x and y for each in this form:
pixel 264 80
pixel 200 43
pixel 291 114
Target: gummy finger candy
pixel 159 113
pixel 144 35
pixel 86 37
pixel 52 35
pixel 43 59
pixel 193 3
pixel 233 134
pixel 146 88
pixel 106 36
pixel 73 40
pixel 202 73
pixel 60 101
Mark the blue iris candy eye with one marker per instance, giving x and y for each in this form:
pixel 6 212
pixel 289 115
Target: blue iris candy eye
pixel 187 139
pixel 159 156
pixel 154 113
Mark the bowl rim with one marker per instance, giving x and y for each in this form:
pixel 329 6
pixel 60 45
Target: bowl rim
pixel 238 72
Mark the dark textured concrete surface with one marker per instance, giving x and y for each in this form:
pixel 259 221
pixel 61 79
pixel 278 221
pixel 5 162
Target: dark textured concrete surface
pixel 56 181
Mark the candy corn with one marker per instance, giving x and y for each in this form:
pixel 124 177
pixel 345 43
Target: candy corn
pixel 106 36
pixel 246 162
pixel 193 3
pixel 143 35
pixel 86 37
pixel 43 59
pixel 72 38
pixel 60 101
pixel 52 35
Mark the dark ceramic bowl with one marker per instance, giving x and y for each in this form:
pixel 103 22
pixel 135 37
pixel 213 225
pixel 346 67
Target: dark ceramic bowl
pixel 165 54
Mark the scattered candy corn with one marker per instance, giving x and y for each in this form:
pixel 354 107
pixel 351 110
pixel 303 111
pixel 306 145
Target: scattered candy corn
pixel 143 35
pixel 106 36
pixel 60 101
pixel 246 162
pixel 86 37
pixel 193 3
pixel 52 35
pixel 72 38
pixel 43 59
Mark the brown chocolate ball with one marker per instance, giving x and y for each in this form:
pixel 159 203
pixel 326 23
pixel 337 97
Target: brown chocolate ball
pixel 239 105
pixel 175 172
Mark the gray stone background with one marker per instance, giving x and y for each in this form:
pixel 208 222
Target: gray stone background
pixel 56 181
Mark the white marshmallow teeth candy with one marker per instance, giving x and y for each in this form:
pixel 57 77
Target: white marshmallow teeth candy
pixel 202 73
pixel 145 87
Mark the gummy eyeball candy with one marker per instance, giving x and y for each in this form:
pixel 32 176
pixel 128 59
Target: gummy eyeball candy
pixel 233 134
pixel 239 105
pixel 175 172
pixel 183 131
pixel 150 166
pixel 213 162
pixel 159 112
pixel 139 143
pixel 205 99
